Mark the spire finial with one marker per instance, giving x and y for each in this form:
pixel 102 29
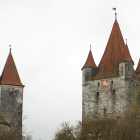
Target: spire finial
pixel 126 41
pixel 115 14
pixel 10 47
pixel 90 47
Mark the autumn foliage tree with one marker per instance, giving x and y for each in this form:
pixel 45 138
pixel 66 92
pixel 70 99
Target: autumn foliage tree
pixel 105 128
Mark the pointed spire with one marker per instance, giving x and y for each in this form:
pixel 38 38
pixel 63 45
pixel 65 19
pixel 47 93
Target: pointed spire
pixel 108 66
pixel 90 61
pixel 115 14
pixel 138 67
pixel 10 47
pixel 10 74
pixel 115 17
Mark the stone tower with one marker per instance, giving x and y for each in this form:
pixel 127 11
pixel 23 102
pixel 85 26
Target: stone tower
pixel 11 96
pixel 109 88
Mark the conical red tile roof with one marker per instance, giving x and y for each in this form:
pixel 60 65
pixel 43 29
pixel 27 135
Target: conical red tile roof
pixel 108 66
pixel 90 61
pixel 126 57
pixel 10 74
pixel 138 68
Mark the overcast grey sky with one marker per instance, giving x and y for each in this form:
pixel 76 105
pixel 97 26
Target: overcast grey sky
pixel 50 42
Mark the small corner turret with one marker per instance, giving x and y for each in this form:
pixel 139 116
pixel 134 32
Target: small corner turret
pixel 89 69
pixel 126 64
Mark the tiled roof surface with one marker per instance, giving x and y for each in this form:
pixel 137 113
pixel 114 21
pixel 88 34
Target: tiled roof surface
pixel 10 74
pixel 126 57
pixel 138 68
pixel 90 61
pixel 108 66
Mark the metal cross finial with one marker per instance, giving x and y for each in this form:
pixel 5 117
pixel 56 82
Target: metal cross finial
pixel 126 41
pixel 90 47
pixel 10 47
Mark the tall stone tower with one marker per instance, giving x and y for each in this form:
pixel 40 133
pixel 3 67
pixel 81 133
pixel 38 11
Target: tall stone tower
pixel 109 88
pixel 11 96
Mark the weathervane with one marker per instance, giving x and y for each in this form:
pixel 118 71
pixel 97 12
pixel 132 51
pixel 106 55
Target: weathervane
pixel 115 14
pixel 126 41
pixel 10 47
pixel 90 47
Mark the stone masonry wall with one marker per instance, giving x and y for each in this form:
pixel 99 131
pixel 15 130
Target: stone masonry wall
pixel 11 101
pixel 113 100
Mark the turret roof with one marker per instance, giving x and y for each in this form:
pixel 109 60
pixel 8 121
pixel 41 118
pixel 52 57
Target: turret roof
pixel 90 61
pixel 126 57
pixel 138 68
pixel 10 74
pixel 108 66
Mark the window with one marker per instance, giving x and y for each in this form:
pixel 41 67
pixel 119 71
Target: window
pixel 111 82
pixel 121 72
pixel 122 68
pixel 98 84
pixel 104 111
pixel 128 68
pixel 114 92
pixel 97 95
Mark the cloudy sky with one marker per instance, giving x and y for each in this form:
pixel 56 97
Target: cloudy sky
pixel 50 42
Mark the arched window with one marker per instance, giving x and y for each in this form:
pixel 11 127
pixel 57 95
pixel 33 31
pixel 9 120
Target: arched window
pixel 98 84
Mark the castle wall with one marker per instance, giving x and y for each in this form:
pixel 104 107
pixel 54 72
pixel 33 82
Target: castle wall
pixel 113 100
pixel 11 101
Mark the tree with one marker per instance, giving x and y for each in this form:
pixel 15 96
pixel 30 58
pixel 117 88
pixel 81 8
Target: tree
pixel 105 128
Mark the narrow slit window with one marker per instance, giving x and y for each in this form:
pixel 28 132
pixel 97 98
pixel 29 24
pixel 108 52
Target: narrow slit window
pixel 98 84
pixel 111 82
pixel 104 111
pixel 128 68
pixel 114 92
pixel 97 95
